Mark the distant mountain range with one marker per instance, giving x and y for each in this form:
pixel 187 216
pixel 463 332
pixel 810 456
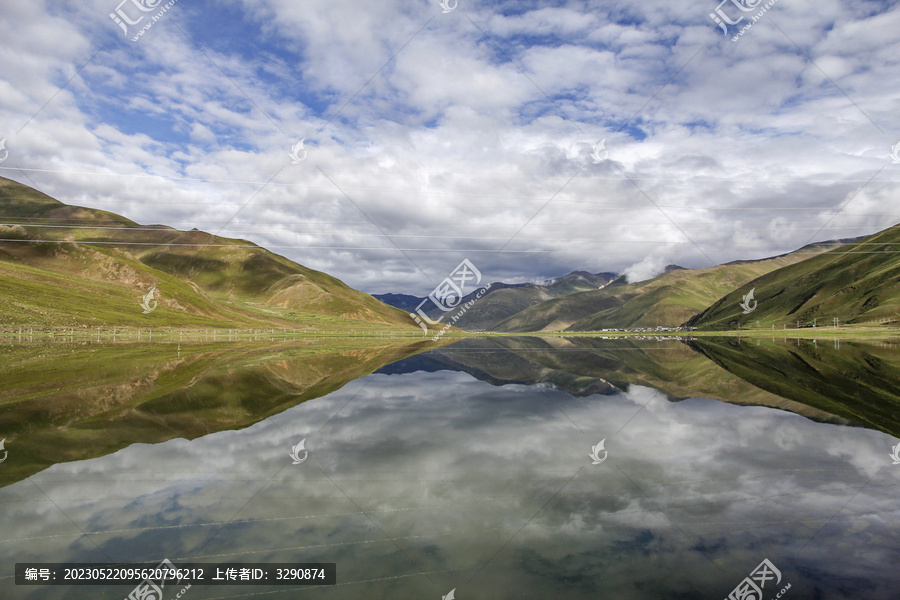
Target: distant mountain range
pixel 852 280
pixel 504 300
pixel 75 266
pixel 667 300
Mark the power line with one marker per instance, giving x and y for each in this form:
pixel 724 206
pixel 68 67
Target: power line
pixel 597 205
pixel 456 250
pixel 815 180
pixel 392 235
pixel 318 223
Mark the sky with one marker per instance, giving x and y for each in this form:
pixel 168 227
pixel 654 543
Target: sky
pixel 470 130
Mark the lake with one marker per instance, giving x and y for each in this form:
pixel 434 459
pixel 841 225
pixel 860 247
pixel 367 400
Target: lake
pixel 475 467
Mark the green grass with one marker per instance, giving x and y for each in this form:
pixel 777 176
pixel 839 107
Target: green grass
pixel 667 300
pixel 855 283
pixel 47 280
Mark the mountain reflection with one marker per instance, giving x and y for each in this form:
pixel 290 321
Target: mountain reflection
pixel 467 467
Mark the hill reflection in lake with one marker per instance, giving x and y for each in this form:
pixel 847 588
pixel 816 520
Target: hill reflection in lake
pixel 468 467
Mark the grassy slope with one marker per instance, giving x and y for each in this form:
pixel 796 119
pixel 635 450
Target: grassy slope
pixel 497 305
pixel 500 303
pixel 855 283
pixel 674 297
pixel 559 313
pixel 100 279
pixel 60 295
pixel 669 299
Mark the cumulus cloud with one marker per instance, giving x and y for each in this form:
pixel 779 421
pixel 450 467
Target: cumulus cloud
pixel 463 135
pixel 648 268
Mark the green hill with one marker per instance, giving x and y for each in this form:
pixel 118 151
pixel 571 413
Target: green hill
pixel 855 283
pixel 667 300
pixel 559 313
pixel 500 302
pixel 73 266
pixel 503 300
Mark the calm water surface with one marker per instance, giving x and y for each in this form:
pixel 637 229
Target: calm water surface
pixel 468 468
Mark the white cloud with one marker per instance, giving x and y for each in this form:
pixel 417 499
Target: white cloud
pixel 452 148
pixel 647 268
